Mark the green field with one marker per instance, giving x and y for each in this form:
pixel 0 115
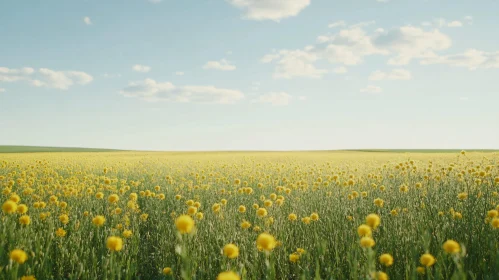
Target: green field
pixel 423 150
pixel 36 149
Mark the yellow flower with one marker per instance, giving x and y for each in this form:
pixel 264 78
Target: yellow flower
pixel 216 207
pixel 99 195
pixel 294 257
pixel 184 224
pixel 228 275
pixel 24 220
pixel 9 207
pixel 379 202
pixel 99 220
pixel 427 260
pixel 245 225
pixel 167 271
pixel 421 270
pixel 492 213
pixel 60 232
pixel 386 259
pixel 495 223
pixel 267 203
pixel 127 233
pixel 18 255
pixel 22 208
pixel 144 217
pixel 266 242
pixel 28 277
pixel 306 220
pixel 114 243
pixel 199 216
pixel 462 196
pixel 451 247
pixel 231 251
pixel 15 198
pixel 133 196
pixel 192 210
pixel 364 230
pixel 64 218
pixel 367 242
pixel 380 275
pixel 292 217
pixel 113 198
pixel 314 217
pixel 242 209
pixel 261 212
pixel 373 220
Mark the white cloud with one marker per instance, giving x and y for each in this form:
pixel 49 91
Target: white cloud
pixel 362 24
pixel 62 79
pixel 275 98
pixel 155 1
pixel 297 63
pixel 471 59
pixel 270 9
pixel 2 90
pixel 222 65
pixel 150 90
pixel 349 46
pixel 410 42
pixel 395 74
pixel 110 76
pixel 141 68
pixel 337 24
pixel 322 39
pixel 340 70
pixel 21 71
pixel 45 77
pixel 179 73
pixel 442 22
pixel 455 23
pixel 302 98
pixel 463 98
pixel 87 20
pixel 371 89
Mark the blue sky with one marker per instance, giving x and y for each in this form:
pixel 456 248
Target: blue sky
pixel 249 74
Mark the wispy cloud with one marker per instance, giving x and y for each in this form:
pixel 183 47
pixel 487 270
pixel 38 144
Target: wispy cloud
pixel 87 21
pixel 153 91
pixel 141 68
pixel 222 65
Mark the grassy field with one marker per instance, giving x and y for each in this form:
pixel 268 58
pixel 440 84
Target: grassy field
pixel 242 215
pixel 35 149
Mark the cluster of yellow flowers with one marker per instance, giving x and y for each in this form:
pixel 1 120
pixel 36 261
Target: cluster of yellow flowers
pixel 358 215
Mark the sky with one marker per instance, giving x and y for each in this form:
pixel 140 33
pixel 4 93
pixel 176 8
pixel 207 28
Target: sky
pixel 250 74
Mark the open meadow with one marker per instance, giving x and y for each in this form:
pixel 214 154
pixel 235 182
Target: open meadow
pixel 249 215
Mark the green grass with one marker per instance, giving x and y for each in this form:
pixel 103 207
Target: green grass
pixel 424 150
pixel 36 149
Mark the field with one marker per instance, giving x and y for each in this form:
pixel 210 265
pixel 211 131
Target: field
pixel 276 215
